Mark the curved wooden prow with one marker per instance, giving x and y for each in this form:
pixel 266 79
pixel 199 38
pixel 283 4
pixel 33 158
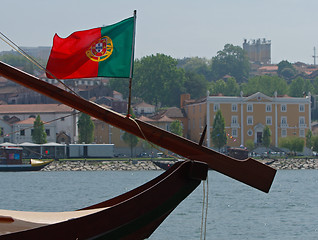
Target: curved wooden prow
pixel 248 171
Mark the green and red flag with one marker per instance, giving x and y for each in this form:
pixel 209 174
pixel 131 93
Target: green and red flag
pixel 99 52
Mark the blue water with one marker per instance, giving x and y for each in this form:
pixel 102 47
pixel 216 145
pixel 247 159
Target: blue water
pixel 235 211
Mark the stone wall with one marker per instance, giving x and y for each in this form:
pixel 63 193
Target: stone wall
pixel 109 165
pixel 100 166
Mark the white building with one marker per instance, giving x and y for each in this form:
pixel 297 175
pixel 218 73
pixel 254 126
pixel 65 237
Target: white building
pixel 16 121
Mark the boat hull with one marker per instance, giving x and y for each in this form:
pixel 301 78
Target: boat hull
pixel 133 215
pixel 24 167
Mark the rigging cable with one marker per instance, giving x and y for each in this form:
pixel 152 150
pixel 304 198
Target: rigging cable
pixel 43 123
pixel 204 208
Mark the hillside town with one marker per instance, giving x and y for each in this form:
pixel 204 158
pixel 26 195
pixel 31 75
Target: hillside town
pixel 245 115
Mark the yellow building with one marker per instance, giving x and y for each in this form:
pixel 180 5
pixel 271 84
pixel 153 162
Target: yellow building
pixel 246 117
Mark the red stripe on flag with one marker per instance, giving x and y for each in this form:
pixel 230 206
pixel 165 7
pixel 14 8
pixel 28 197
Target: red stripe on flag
pixel 68 57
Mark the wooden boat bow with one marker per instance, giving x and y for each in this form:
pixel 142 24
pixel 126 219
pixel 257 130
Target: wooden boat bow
pixel 250 171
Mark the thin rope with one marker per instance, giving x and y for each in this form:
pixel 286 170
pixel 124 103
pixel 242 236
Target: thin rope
pixel 205 205
pixel 8 41
pixel 202 215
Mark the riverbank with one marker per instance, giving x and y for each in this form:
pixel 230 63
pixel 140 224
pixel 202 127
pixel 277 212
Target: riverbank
pixel 292 163
pixel 137 165
pixel 108 165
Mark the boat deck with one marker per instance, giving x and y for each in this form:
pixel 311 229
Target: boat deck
pixel 14 221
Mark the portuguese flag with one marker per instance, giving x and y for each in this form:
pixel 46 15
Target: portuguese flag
pixel 98 52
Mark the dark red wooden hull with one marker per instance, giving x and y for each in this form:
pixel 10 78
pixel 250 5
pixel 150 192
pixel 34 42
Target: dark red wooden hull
pixel 133 215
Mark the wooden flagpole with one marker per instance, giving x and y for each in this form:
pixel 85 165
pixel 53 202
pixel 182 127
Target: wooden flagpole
pixel 132 64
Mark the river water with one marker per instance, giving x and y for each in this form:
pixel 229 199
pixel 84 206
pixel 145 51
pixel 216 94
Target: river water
pixel 235 211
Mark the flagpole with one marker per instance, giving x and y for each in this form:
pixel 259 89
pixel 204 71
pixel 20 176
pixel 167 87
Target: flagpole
pixel 132 63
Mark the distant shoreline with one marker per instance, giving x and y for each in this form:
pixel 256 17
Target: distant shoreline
pixel 292 163
pixel 137 165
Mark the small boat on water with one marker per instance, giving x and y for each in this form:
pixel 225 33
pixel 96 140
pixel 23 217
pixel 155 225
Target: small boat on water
pixel 238 153
pixel 11 161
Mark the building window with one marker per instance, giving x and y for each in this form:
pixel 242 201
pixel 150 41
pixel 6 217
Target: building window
pixel 268 120
pixel 283 122
pixel 47 131
pixel 216 107
pixel 250 132
pixel 234 132
pixel 301 132
pixel 234 107
pixel 302 123
pixel 301 108
pixel 268 107
pixel 234 119
pixel 250 120
pixel 22 132
pixel 284 132
pixel 283 108
pixel 249 107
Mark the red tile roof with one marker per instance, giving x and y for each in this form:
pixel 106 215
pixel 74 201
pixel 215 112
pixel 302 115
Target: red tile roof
pixel 27 121
pixel 34 108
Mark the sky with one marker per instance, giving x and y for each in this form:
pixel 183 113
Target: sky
pixel 178 28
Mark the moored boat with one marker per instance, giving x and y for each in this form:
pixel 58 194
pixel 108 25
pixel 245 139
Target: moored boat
pixel 11 161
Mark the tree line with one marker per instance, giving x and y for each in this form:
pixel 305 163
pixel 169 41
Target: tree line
pixel 160 79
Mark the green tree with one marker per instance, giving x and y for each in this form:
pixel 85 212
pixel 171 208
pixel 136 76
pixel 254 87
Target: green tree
pixel 176 128
pixel 265 84
pixel 85 128
pixel 294 144
pixel 299 86
pixel 249 144
pixel 286 70
pixel 266 136
pixel 20 62
pixel 315 86
pixel 130 139
pixel 233 61
pixel 314 141
pixel 309 139
pixel 218 134
pixel 219 87
pixel 157 79
pixel 232 88
pixel 201 66
pixel 195 84
pixel 38 134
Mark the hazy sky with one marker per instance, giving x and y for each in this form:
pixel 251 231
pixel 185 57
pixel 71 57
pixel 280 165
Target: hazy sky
pixel 179 28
